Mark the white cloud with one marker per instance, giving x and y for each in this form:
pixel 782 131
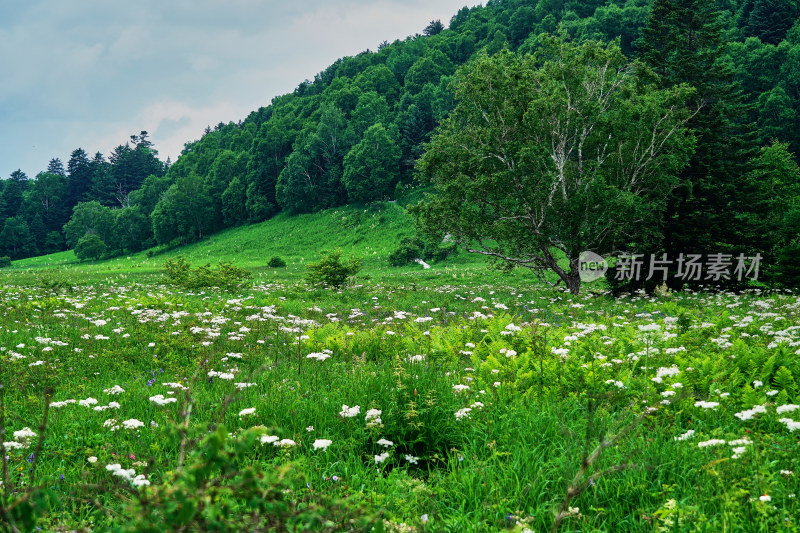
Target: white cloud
pixel 90 73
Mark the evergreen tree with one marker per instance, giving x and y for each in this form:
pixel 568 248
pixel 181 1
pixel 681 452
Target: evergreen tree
pixel 79 178
pixel 769 20
pixel 683 43
pixel 434 27
pixel 55 166
pixel 13 194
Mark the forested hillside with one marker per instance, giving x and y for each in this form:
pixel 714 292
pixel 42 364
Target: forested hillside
pixel 354 132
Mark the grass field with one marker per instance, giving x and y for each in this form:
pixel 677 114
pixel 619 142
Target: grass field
pixel 450 399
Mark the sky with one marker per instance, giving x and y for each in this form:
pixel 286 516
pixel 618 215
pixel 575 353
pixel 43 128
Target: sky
pixel 91 73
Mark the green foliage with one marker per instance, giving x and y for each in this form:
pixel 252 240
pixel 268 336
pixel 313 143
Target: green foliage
pixel 89 218
pixel 183 212
pixel 16 239
pixel 308 151
pixel 216 490
pixel 276 262
pixel 371 167
pixel 503 162
pixel 90 246
pixel 226 276
pixel 331 270
pixel 5 261
pixel 423 247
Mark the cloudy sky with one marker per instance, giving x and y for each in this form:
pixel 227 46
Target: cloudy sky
pixel 90 73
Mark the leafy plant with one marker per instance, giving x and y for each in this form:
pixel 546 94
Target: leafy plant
pixel 225 276
pixel 331 270
pixel 417 247
pixel 276 262
pixel 90 246
pixel 5 261
pixel 215 491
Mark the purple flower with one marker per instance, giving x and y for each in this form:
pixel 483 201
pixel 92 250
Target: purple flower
pixel 31 457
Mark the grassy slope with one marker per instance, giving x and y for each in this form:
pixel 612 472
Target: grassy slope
pixel 371 233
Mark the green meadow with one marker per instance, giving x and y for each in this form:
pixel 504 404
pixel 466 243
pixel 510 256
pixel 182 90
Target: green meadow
pixel 458 398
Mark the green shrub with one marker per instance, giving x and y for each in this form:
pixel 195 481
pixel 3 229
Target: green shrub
pixel 177 269
pixel 219 490
pixel 418 247
pixel 331 270
pixel 276 262
pixel 409 249
pixel 90 246
pixel 225 276
pixel 5 261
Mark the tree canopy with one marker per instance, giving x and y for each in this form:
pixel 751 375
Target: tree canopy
pixel 569 149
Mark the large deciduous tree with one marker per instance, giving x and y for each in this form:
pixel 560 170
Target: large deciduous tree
pixel 563 151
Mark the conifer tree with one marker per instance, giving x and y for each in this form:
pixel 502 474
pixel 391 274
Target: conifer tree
pixel 683 43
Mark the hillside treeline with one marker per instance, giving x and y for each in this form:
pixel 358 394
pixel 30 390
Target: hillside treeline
pixel 354 132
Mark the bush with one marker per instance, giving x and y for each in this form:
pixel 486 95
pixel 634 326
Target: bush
pixel 90 246
pixel 410 248
pixel 276 262
pixel 417 247
pixel 5 261
pixel 218 490
pixel 331 270
pixel 225 276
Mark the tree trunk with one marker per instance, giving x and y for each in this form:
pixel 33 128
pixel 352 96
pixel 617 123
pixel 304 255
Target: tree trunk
pixel 573 281
pixel 573 277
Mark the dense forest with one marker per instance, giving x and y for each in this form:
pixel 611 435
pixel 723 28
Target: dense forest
pixel 354 133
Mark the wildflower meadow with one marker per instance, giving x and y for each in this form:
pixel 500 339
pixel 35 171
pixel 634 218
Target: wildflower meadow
pixel 413 403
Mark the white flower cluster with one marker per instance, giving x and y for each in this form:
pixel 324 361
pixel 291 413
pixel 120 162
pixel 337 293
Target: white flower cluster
pixel 220 375
pixel 688 435
pixel 373 418
pixel 62 404
pixel 128 475
pixel 282 443
pixel 111 405
pixel 349 412
pixel 116 389
pixel 132 423
pixel 382 457
pixel 507 352
pixel 463 413
pixel 322 444
pixel 161 400
pixel 750 413
pixel 650 327
pixel 320 356
pixel 791 425
pixel 712 442
pixel 706 405
pixel 22 439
